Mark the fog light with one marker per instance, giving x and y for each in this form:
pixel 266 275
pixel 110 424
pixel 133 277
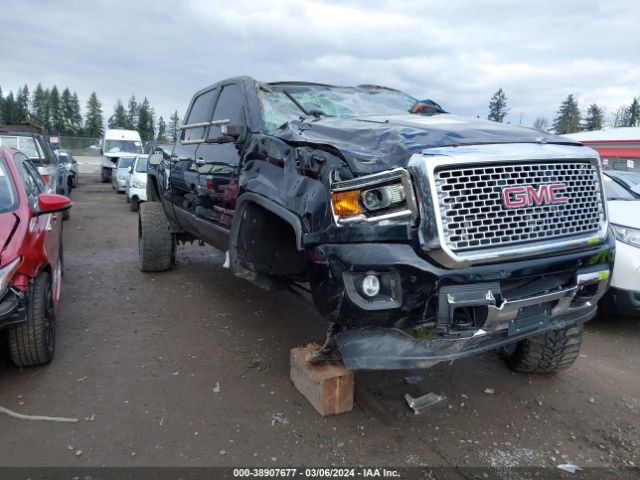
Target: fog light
pixel 371 285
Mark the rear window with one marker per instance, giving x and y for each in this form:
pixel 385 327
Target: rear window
pixel 26 145
pixel 141 166
pixel 8 196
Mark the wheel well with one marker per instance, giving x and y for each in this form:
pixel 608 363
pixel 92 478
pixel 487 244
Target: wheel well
pixel 266 243
pixel 153 193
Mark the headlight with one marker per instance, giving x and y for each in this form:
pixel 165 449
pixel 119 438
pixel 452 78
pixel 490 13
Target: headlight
pixel 138 183
pixel 6 275
pixel 630 236
pixel 374 198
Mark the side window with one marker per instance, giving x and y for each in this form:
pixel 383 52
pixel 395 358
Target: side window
pixel 229 106
pixel 200 112
pixel 31 186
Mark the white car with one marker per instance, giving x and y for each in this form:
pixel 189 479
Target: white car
pixel 623 297
pixel 136 188
pixel 121 172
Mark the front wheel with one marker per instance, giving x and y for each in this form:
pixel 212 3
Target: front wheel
pixel 33 342
pixel 105 175
pixel 156 243
pixel 545 353
pixel 134 204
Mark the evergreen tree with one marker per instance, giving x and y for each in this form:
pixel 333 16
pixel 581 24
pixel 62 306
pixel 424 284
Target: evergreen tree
pixel 76 115
pixel 541 123
pixel 119 117
pixel 94 123
pixel 595 118
pixel 22 103
pixel 56 119
pixel 66 105
pixel 174 126
pixel 634 113
pixel 9 109
pixel 39 101
pixel 568 117
pixel 133 111
pixel 498 109
pixel 144 127
pixel 162 130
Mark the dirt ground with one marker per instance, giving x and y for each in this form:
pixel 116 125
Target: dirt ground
pixel 191 368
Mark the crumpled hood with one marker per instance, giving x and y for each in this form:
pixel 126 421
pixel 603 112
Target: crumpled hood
pixel 374 143
pixel 625 213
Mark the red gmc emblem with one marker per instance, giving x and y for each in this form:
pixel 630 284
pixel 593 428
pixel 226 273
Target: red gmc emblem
pixel 528 196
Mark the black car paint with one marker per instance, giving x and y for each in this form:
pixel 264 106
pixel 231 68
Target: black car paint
pixel 289 173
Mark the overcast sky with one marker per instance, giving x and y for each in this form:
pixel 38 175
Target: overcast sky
pixel 455 52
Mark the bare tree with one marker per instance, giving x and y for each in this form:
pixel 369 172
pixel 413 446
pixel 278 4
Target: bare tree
pixel 541 123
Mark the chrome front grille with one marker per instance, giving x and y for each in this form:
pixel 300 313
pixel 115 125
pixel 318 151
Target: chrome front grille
pixel 475 216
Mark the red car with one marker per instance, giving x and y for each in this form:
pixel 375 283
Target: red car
pixel 30 259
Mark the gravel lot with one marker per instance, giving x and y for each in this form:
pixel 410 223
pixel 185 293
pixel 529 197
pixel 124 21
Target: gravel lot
pixel 190 368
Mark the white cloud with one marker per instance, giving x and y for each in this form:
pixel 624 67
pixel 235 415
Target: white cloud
pixel 455 52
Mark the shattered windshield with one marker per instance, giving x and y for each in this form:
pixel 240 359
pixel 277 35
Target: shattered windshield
pixel 290 102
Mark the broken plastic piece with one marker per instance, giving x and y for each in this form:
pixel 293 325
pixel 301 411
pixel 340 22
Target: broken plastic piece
pixel 425 401
pixel 569 467
pixel 36 418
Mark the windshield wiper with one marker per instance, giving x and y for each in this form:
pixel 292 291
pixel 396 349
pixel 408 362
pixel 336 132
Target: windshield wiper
pixel 309 113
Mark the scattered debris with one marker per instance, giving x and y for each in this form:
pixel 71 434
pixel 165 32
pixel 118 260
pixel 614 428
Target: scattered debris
pixel 489 391
pixel 36 418
pixel 216 389
pixel 78 453
pixel 420 403
pixel 569 467
pixel 592 400
pixel 223 452
pixel 279 418
pixel 81 379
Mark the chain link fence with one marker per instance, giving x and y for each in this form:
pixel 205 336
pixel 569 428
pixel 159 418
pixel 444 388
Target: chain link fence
pixel 81 146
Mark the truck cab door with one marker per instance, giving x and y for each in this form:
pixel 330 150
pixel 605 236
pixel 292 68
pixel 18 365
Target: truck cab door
pixel 184 170
pixel 218 165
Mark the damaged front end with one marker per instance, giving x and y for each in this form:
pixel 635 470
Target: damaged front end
pixel 448 271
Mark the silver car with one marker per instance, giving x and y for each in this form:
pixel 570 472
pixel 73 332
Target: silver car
pixel 121 173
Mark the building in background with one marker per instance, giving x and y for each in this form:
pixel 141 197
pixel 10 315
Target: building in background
pixel 619 148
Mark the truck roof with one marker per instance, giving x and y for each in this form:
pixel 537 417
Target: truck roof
pixel 121 134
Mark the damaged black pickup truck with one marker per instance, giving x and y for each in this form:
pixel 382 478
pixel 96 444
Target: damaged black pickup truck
pixel 421 237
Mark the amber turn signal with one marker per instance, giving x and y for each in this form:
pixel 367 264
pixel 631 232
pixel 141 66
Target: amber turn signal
pixel 346 204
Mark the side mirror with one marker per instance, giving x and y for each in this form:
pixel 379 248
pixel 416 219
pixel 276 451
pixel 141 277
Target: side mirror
pixel 51 203
pixel 155 158
pixel 234 131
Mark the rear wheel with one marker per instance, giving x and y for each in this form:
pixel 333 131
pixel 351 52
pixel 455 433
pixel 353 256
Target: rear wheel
pixel 545 353
pixel 105 175
pixel 134 204
pixel 156 243
pixel 66 215
pixel 33 342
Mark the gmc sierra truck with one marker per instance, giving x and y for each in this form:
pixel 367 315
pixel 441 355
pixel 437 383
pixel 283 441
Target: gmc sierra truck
pixel 421 237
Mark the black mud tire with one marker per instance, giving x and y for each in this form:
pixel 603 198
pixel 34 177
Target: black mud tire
pixel 66 214
pixel 33 342
pixel 134 204
pixel 105 176
pixel 156 243
pixel 545 353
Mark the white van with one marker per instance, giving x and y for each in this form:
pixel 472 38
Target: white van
pixel 116 143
